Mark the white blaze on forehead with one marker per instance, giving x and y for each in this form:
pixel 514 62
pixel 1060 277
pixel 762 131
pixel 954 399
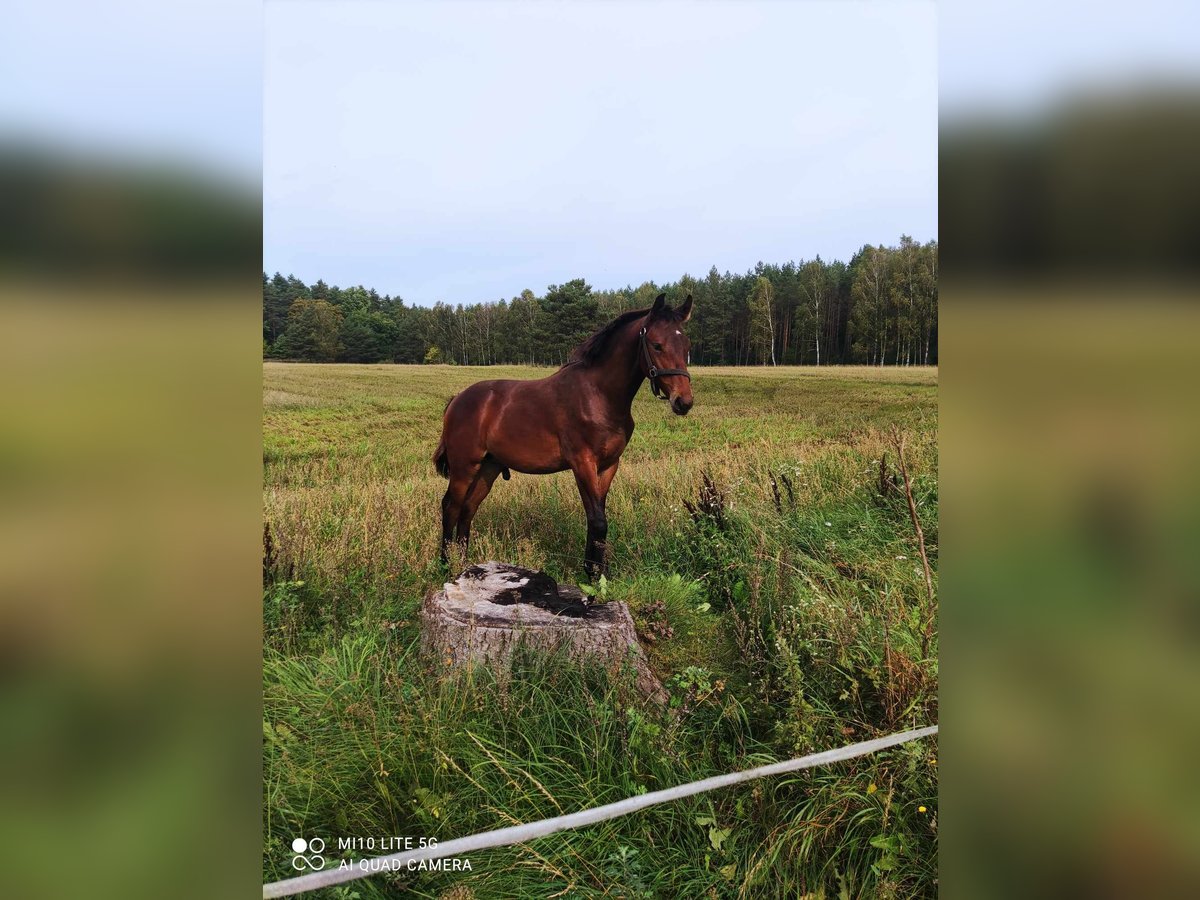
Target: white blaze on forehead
pixel 678 332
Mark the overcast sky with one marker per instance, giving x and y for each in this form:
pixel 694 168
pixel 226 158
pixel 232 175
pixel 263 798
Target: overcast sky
pixel 463 152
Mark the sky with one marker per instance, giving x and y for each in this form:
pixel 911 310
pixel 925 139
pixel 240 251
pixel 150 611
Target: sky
pixel 466 151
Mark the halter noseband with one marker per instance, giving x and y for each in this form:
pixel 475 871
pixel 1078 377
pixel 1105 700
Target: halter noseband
pixel 653 372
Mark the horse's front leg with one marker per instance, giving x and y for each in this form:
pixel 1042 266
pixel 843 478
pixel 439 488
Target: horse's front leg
pixel 593 485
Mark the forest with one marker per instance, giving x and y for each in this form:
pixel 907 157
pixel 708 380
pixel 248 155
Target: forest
pixel 880 308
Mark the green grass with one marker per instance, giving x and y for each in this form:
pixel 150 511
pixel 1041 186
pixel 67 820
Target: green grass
pixel 784 628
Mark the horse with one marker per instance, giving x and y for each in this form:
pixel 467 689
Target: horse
pixel 578 418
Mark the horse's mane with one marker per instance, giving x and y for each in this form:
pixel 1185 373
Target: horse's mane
pixel 596 347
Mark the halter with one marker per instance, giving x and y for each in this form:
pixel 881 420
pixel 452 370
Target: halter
pixel 654 372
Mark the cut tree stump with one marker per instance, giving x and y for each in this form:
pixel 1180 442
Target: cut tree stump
pixel 488 610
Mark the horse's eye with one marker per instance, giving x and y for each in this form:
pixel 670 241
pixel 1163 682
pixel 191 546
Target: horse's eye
pixel 658 346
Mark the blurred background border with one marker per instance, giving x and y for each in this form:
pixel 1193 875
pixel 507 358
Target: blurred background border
pixel 1070 215
pixel 130 651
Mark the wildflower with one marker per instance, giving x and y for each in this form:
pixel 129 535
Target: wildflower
pixel 872 788
pixel 901 557
pixel 920 809
pixel 828 524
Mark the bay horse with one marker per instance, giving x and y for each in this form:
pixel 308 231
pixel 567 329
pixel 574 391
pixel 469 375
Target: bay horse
pixel 578 418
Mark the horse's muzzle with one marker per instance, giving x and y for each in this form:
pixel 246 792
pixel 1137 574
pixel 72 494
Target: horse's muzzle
pixel 679 406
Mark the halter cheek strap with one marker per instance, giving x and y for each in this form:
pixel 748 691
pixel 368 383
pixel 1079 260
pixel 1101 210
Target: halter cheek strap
pixel 653 372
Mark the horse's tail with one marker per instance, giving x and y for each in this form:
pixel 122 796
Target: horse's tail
pixel 441 461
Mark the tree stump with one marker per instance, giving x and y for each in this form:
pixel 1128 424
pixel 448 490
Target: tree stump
pixel 488 610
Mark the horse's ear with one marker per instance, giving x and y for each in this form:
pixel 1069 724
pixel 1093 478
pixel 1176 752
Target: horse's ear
pixel 685 312
pixel 660 303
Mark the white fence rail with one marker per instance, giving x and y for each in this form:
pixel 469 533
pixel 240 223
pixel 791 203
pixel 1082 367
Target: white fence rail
pixel 519 834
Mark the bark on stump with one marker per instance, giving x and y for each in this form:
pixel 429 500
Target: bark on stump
pixel 488 610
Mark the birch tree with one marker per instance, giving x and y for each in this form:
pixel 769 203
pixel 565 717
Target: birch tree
pixel 762 319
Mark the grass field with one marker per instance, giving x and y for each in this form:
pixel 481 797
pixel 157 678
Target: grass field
pixel 787 616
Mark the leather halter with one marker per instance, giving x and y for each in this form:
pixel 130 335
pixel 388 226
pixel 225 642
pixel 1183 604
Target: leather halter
pixel 653 372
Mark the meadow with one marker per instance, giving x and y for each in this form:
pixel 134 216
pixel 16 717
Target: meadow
pixel 765 546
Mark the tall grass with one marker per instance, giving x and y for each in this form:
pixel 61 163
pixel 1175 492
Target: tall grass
pixel 783 603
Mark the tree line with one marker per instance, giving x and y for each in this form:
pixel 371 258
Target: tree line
pixel 878 309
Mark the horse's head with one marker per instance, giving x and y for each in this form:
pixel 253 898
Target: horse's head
pixel 666 349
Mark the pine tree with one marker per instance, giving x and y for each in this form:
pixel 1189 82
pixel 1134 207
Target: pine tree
pixel 313 331
pixel 569 313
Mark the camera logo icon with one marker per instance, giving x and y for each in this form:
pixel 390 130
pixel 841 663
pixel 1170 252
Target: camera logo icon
pixel 313 860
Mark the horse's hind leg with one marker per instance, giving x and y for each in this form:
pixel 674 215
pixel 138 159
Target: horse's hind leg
pixel 479 488
pixel 452 505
